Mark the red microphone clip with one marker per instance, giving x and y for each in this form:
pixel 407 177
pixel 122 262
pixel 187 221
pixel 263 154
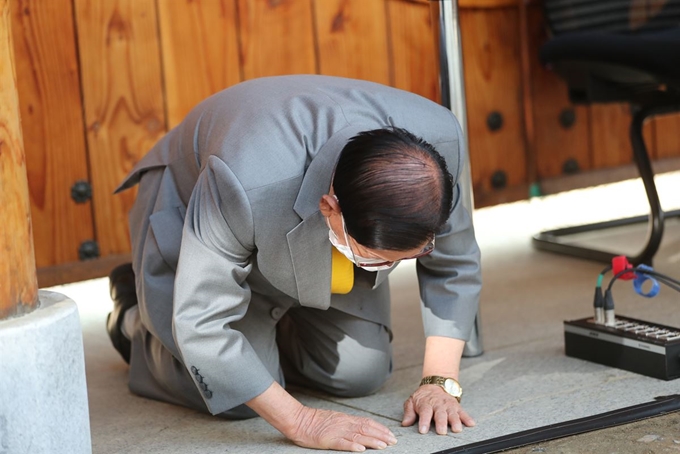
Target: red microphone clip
pixel 621 263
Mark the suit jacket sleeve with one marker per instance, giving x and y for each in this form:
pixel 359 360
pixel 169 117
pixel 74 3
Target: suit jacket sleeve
pixel 450 277
pixel 211 292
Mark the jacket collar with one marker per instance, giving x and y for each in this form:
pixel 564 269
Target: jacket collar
pixel 317 179
pixel 308 241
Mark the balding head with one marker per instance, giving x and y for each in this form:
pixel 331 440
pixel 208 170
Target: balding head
pixel 394 189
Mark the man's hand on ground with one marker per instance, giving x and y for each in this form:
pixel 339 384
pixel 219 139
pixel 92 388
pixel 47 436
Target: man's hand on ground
pixel 324 429
pixel 431 402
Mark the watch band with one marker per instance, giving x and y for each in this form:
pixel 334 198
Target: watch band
pixel 441 381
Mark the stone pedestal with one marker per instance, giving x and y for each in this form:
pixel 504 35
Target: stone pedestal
pixel 43 393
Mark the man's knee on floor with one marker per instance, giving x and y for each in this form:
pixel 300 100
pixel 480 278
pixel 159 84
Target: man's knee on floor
pixel 362 373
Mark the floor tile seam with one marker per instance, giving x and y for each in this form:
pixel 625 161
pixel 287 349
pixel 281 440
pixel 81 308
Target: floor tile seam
pixel 343 404
pixel 516 344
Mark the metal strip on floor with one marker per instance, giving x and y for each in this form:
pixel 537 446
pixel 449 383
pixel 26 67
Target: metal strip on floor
pixel 658 407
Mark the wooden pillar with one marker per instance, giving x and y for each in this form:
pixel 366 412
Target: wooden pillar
pixel 18 281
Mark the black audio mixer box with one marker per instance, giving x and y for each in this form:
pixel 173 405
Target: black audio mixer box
pixel 634 345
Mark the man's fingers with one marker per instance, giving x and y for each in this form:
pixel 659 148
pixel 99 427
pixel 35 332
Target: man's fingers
pixel 426 405
pixel 333 430
pixel 425 418
pixel 369 442
pixel 466 419
pixel 441 421
pixel 347 445
pixel 367 433
pixel 370 429
pixel 409 413
pixel 454 422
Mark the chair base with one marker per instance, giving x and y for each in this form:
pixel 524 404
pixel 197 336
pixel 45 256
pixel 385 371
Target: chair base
pixel 550 240
pixel 554 240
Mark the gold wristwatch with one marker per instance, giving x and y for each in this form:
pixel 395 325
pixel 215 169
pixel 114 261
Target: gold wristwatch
pixel 450 385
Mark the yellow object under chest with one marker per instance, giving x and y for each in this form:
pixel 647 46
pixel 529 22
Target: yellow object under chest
pixel 342 273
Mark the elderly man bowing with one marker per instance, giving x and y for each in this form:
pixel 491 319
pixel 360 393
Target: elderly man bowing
pixel 264 230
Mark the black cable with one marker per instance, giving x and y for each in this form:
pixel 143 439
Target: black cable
pixel 659 275
pixel 666 280
pixel 604 304
pixel 617 276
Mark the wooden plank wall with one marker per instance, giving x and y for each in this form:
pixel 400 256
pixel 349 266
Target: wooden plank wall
pixel 48 81
pixel 200 52
pixel 123 103
pixel 349 36
pixel 413 51
pixel 101 81
pixel 493 80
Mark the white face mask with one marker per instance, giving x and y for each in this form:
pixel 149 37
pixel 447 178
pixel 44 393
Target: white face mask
pixel 347 252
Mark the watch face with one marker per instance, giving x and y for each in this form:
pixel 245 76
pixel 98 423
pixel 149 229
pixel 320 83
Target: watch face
pixel 452 388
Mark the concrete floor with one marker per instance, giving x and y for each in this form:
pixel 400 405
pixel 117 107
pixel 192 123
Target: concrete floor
pixel 522 381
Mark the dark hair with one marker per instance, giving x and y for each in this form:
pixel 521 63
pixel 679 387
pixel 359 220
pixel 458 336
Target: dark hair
pixel 394 189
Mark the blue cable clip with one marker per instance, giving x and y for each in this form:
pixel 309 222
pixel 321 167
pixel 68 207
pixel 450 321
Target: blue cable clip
pixel 640 279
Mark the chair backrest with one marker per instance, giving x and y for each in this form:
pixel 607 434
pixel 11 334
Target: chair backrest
pixel 623 16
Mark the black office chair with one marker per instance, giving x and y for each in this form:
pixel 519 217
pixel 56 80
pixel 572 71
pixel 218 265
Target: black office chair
pixel 617 51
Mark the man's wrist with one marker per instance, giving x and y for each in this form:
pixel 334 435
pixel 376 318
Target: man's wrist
pixel 449 384
pixel 280 409
pixel 442 356
pixel 299 419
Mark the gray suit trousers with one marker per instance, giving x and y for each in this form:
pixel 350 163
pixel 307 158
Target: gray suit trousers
pixel 329 350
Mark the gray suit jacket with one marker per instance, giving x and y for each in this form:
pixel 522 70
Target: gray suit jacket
pixel 246 170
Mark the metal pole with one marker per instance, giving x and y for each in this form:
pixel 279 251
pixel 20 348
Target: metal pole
pixel 453 97
pixel 452 81
pixel 451 60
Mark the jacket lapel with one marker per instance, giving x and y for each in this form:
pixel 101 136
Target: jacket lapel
pixel 311 255
pixel 308 242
